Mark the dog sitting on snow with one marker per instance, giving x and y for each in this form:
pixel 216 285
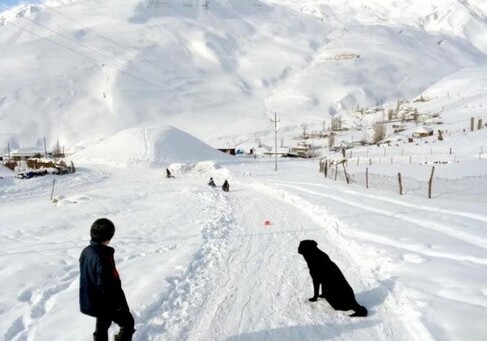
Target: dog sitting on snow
pixel 334 287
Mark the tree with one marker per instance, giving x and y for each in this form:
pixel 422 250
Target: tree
pixel 331 140
pixel 415 115
pixel 336 124
pixel 390 114
pixel 379 132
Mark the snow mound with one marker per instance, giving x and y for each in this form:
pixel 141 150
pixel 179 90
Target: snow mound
pixel 149 147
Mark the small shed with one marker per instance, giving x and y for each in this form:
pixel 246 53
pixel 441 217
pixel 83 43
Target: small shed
pixel 423 131
pixel 281 151
pixel 302 149
pixel 246 148
pixel 23 154
pixel 230 151
pixel 345 144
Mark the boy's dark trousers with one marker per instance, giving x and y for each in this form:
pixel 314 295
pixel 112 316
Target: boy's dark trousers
pixel 123 318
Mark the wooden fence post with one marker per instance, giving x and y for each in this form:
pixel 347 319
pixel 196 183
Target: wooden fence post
pixel 336 170
pixel 400 183
pixel 430 182
pixel 472 123
pixel 367 177
pixel 326 168
pixel 52 191
pixel 346 175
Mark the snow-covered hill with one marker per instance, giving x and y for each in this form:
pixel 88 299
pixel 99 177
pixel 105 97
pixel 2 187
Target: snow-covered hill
pixel 81 70
pixel 143 147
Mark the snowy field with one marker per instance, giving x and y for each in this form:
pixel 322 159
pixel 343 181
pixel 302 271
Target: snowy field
pixel 131 87
pixel 199 264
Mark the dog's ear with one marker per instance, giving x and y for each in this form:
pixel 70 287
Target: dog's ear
pixel 313 243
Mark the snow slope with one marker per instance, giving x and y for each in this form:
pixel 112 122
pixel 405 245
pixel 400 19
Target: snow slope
pixel 198 264
pixel 221 67
pixel 136 86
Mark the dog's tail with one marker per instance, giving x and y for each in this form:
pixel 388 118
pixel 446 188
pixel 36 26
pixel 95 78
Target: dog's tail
pixel 360 311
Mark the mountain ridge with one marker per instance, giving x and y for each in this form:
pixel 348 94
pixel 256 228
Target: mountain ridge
pixel 84 70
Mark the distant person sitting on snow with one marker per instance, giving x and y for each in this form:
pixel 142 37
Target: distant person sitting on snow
pixel 168 173
pixel 226 186
pixel 211 183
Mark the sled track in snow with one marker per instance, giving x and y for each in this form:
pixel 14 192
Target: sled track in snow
pixel 435 226
pixel 168 316
pixel 247 281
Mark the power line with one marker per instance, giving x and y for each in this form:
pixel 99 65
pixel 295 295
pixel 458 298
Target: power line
pixel 129 49
pixel 195 97
pixel 120 63
pixel 118 44
pixel 95 61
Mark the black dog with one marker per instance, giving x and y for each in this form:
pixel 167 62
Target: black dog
pixel 334 287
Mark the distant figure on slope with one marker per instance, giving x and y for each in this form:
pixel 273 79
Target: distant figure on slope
pixel 211 183
pixel 168 173
pixel 100 289
pixel 226 186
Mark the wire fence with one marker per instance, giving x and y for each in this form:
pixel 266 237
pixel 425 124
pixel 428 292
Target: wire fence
pixel 426 182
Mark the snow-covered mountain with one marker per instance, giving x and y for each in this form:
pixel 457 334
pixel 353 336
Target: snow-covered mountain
pixel 81 70
pixel 134 87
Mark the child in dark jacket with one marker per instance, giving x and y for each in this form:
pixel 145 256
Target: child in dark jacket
pixel 226 186
pixel 100 292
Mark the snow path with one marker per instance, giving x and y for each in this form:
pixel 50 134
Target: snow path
pixel 453 225
pixel 408 239
pixel 199 264
pixel 381 208
pixel 242 273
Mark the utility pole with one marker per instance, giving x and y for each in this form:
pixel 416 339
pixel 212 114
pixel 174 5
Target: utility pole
pixel 275 134
pixel 45 147
pixel 8 150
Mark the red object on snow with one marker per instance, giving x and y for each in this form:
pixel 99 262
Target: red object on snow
pixel 267 223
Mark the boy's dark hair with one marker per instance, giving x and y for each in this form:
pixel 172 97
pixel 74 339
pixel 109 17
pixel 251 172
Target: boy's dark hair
pixel 102 230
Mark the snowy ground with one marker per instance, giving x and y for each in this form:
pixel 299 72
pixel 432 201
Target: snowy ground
pixel 199 264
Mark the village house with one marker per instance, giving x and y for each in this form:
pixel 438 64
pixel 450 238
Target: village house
pixel 281 151
pixel 227 150
pixel 23 154
pixel 423 131
pixel 302 149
